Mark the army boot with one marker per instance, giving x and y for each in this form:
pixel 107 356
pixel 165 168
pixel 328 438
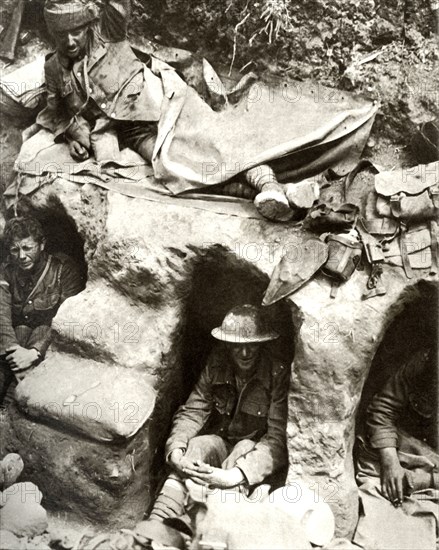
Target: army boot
pixel 270 201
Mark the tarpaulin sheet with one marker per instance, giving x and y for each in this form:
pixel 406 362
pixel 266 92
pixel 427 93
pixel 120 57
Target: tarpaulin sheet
pixel 381 526
pixel 300 129
pixel 219 204
pixel 41 161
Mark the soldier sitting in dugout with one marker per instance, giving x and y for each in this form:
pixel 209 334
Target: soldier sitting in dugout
pixel 402 418
pixel 33 285
pixel 95 84
pixel 231 432
pixel 398 461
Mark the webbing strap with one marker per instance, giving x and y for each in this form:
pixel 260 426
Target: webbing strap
pixel 434 247
pixel 404 254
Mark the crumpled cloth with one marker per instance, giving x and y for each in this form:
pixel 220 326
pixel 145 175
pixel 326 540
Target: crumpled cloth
pixel 41 161
pixel 300 129
pixel 381 526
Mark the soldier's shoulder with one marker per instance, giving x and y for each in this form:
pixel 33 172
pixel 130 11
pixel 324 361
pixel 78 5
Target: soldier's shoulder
pixel 61 257
pixel 6 269
pixel 279 368
pixel 215 360
pixel 51 60
pixel 416 365
pixel 64 260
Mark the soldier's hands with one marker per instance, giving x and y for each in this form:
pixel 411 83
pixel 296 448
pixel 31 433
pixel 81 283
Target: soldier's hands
pixel 21 359
pixel 176 456
pixel 203 473
pixel 78 151
pixel 179 462
pixel 392 476
pixel 214 478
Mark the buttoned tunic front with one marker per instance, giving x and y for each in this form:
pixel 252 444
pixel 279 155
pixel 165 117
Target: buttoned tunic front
pixel 257 412
pixel 109 84
pixel 32 299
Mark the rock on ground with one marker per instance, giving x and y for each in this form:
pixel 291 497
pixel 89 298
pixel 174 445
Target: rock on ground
pixel 10 469
pixel 8 541
pixel 22 513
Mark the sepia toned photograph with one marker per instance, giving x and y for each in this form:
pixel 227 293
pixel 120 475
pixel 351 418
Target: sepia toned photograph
pixel 219 274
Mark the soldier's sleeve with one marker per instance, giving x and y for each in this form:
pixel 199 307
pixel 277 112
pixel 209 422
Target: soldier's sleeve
pixel 72 282
pixel 270 453
pixel 115 16
pixel 79 130
pixel 191 417
pixel 385 409
pixel 40 339
pixel 54 116
pixel 7 332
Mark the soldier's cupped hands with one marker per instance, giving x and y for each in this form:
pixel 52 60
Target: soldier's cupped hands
pixel 78 151
pixel 21 359
pixel 180 462
pixel 214 478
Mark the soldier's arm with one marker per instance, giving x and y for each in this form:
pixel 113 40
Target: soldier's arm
pixel 382 417
pixel 269 454
pixel 40 340
pixel 54 116
pixel 191 417
pixel 385 409
pixel 115 16
pixel 72 282
pixel 8 338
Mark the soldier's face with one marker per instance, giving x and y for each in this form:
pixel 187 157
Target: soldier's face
pixel 244 355
pixel 73 42
pixel 26 252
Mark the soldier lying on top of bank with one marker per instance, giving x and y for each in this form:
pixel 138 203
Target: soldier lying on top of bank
pixel 33 285
pixel 101 97
pixel 95 84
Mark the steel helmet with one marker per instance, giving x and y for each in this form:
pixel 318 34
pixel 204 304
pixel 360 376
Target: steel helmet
pixel 243 325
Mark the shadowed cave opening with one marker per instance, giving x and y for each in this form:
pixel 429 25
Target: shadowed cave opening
pixel 413 330
pixel 219 281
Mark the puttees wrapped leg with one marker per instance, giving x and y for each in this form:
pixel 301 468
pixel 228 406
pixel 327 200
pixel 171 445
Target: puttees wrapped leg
pixel 270 201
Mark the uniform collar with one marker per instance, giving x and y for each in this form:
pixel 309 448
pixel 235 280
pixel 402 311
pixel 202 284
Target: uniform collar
pixel 225 371
pixel 97 51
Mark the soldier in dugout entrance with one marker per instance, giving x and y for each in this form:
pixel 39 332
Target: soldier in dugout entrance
pixel 231 432
pixel 33 285
pixel 398 460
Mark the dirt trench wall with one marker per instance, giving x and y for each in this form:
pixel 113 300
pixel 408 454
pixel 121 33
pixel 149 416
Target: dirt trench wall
pixel 165 274
pixel 328 41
